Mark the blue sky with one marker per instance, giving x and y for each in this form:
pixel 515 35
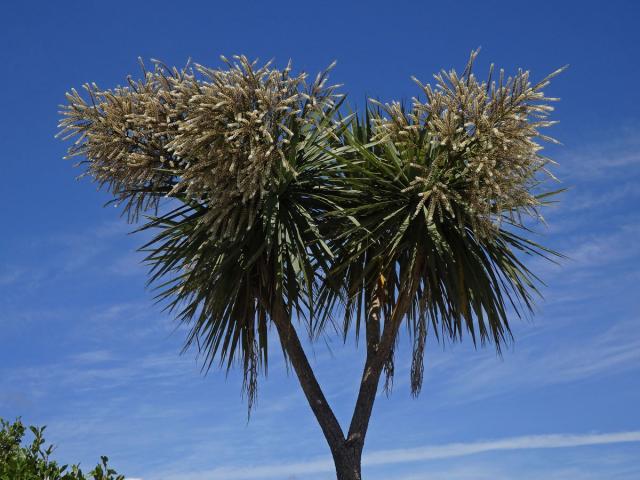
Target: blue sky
pixel 84 350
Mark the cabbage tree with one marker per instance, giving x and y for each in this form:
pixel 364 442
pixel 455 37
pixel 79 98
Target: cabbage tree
pixel 273 208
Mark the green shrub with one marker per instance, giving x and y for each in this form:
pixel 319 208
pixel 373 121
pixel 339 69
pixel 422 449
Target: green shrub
pixel 32 462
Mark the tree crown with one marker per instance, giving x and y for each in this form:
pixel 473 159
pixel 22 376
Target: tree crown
pixel 280 205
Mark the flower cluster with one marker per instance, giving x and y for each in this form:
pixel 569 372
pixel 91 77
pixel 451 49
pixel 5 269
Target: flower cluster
pixel 219 137
pixel 473 145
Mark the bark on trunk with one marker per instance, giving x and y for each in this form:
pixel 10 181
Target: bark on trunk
pixel 378 350
pixel 346 455
pixel 348 465
pixel 310 386
pixel 346 452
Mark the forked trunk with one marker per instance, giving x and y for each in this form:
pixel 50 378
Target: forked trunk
pixel 348 464
pixel 346 450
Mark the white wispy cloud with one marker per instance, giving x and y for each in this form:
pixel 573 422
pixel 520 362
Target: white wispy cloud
pixel 610 156
pixel 553 362
pixel 419 454
pixel 452 450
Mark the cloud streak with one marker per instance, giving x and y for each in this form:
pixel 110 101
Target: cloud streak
pixel 419 454
pixel 437 452
pixel 546 363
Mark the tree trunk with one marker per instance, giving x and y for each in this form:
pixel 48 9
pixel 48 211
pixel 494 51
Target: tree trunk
pixel 346 452
pixel 310 386
pixel 348 464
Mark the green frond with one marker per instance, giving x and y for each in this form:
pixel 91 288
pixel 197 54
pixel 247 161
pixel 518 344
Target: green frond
pixel 440 197
pixel 242 155
pixel 284 207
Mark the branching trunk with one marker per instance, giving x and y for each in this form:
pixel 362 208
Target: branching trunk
pixel 310 386
pixel 379 348
pixel 346 452
pixel 347 459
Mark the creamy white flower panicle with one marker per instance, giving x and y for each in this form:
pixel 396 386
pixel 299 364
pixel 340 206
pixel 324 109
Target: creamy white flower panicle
pixel 219 137
pixel 474 144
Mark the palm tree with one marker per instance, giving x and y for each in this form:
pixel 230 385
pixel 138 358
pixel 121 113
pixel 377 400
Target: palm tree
pixel 280 211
